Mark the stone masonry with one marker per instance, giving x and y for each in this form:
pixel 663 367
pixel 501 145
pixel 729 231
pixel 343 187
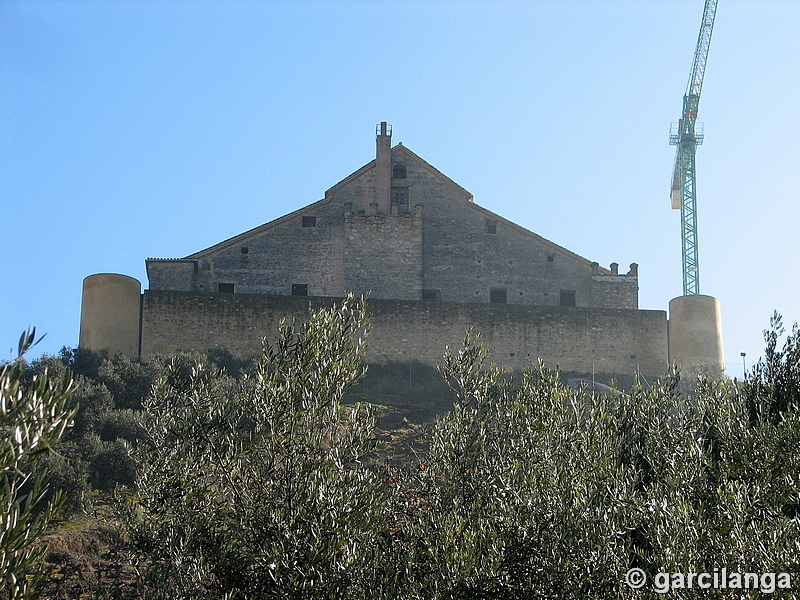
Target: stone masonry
pixel 399 229
pixel 582 340
pixel 432 262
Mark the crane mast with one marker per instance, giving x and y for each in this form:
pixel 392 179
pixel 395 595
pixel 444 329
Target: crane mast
pixel 687 134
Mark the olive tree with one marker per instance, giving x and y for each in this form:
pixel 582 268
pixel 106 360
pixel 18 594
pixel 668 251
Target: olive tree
pixel 257 489
pixel 534 490
pixel 33 417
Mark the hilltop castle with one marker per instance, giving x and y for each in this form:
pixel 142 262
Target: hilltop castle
pixel 433 263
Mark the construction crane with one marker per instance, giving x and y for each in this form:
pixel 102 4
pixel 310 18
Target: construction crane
pixel 687 134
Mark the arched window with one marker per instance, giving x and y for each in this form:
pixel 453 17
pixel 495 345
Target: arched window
pixel 399 171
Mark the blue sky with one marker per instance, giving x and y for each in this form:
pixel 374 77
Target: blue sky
pixel 158 128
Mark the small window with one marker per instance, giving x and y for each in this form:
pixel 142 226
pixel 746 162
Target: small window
pixel 400 198
pixel 491 226
pixel 550 258
pixel 309 221
pixel 430 295
pixel 567 298
pixel 497 295
pixel 245 249
pixel 399 171
pixel 225 288
pixel 299 289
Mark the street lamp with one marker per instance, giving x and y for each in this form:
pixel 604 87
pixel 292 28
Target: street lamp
pixel 744 366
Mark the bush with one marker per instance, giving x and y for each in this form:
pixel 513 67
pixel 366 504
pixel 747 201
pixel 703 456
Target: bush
pixel 259 494
pixel 262 488
pixel 122 424
pixel 67 474
pixel 129 381
pixel 544 492
pixel 772 387
pixel 112 465
pixel 33 417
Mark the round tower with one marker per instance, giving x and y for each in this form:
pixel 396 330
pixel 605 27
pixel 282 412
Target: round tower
pixel 695 335
pixel 110 314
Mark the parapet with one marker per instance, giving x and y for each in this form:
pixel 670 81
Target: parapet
pixel 612 290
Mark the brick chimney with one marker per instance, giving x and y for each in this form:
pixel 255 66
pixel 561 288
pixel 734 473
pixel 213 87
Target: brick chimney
pixel 383 167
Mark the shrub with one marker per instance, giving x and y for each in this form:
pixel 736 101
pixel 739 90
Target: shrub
pixel 123 424
pixel 543 492
pixel 528 490
pixel 33 417
pixel 112 465
pixel 129 381
pixel 260 494
pixel 67 473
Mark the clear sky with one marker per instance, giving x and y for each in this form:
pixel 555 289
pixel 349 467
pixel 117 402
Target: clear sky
pixel 159 128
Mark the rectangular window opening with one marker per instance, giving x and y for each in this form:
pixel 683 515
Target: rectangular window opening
pixel 400 199
pixel 567 298
pixel 299 289
pixel 309 221
pixel 491 226
pixel 245 250
pixel 431 295
pixel 497 296
pixel 226 288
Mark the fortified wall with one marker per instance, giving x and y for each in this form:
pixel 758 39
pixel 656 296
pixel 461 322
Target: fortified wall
pixel 582 340
pixel 432 262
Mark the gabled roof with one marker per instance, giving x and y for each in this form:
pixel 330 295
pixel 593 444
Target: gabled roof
pixel 256 230
pixel 400 148
pixel 537 237
pixel 370 165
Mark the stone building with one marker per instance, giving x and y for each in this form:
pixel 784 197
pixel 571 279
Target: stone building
pixel 398 229
pixel 432 261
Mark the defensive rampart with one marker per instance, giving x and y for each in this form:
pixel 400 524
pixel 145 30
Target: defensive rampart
pixel 582 340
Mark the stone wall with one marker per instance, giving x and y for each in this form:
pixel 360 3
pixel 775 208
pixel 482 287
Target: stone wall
pixel 385 249
pixel 616 291
pixel 172 274
pixel 435 243
pixel 582 340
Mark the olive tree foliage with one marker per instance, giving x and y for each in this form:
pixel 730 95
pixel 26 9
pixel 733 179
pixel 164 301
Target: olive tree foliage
pixel 773 385
pixel 527 489
pixel 539 491
pixel 256 489
pixel 33 416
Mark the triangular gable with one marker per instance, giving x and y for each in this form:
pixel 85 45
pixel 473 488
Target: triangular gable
pixel 396 149
pixel 399 148
pixel 262 228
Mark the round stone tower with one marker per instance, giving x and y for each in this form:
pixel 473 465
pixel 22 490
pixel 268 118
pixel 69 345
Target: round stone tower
pixel 110 314
pixel 695 335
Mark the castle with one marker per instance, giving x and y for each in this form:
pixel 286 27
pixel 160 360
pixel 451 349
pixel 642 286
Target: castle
pixel 433 264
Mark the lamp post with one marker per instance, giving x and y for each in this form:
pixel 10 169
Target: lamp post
pixel 744 366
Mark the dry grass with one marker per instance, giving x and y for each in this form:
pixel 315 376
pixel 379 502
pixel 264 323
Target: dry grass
pixel 86 557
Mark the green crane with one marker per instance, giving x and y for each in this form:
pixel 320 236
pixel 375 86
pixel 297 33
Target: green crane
pixel 687 134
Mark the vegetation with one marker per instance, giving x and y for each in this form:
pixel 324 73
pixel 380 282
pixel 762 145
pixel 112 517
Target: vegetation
pixel 254 489
pixel 265 481
pixel 33 416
